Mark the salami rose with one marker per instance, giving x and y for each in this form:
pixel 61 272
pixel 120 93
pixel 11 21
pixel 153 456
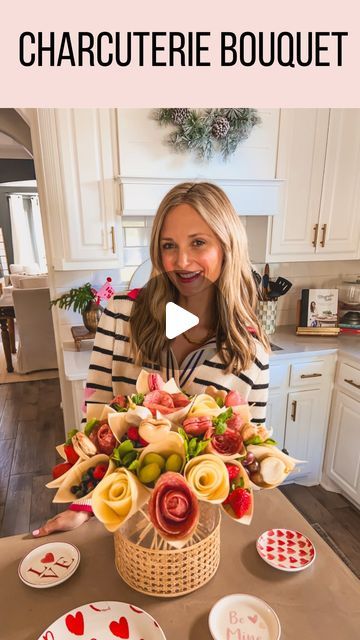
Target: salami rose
pixel 120 400
pixel 234 399
pixel 159 401
pixel 106 440
pixel 180 399
pixel 155 382
pixel 235 422
pixel 196 426
pixel 173 507
pixel 228 443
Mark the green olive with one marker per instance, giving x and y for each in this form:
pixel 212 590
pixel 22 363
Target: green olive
pixel 150 458
pixel 149 473
pixel 174 462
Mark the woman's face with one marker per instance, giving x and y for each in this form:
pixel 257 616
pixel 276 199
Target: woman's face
pixel 190 251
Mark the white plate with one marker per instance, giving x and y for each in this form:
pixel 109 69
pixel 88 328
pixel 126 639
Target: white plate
pixel 241 615
pixel 105 621
pixel 286 550
pixel 49 565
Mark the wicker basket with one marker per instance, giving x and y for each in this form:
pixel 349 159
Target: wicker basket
pixel 146 566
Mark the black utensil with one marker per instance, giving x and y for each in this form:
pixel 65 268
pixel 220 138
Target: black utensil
pixel 279 288
pixel 265 282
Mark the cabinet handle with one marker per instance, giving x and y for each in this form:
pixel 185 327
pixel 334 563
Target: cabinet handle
pixel 353 384
pixel 113 244
pixel 316 231
pixel 293 410
pixel 322 241
pixel 311 375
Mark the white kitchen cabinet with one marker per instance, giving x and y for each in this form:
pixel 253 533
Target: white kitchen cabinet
pixel 319 158
pixel 79 156
pixel 299 400
pixel 276 416
pixel 305 432
pixel 344 443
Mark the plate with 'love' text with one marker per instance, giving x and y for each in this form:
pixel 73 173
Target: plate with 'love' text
pixel 49 564
pixel 286 550
pixel 105 621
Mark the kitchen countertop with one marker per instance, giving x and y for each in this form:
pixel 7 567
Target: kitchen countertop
pixel 292 344
pixel 322 601
pixel 76 363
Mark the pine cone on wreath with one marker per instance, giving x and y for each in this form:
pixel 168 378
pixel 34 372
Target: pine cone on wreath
pixel 180 115
pixel 220 128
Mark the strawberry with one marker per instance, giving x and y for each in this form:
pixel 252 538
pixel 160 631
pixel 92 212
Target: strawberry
pixel 142 442
pixel 234 399
pixel 233 471
pixel 239 500
pixel 71 455
pixel 133 433
pixel 100 471
pixel 60 469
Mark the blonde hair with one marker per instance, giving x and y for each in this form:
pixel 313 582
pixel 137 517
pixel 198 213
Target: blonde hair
pixel 236 294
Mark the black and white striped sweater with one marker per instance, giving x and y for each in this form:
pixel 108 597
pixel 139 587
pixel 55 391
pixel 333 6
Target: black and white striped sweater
pixel 112 370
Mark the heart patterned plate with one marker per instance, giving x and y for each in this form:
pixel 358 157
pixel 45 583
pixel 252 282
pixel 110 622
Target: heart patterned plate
pixel 105 621
pixel 49 564
pixel 242 616
pixel 286 550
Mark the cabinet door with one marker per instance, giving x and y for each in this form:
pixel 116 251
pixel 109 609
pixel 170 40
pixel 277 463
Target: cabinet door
pixel 344 444
pixel 276 416
pixel 339 223
pixel 85 139
pixel 304 432
pixel 301 158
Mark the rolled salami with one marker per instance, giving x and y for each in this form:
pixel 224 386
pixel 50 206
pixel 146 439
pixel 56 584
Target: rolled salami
pixel 228 445
pixel 173 507
pixel 159 401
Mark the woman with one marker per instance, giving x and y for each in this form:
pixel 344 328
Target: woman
pixel 200 261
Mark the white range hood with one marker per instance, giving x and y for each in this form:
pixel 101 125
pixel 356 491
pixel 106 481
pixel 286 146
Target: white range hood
pixel 141 196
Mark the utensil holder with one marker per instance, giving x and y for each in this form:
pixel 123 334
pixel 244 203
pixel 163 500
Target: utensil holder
pixel 266 314
pixel 168 572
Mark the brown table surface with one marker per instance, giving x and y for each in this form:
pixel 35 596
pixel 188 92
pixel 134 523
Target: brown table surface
pixel 319 603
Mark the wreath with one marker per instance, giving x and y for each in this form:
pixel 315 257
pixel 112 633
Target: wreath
pixel 207 131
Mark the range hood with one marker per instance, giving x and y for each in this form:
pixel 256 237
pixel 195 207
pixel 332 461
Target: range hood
pixel 141 196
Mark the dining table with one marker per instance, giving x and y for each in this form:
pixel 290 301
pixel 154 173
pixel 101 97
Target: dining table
pixel 7 316
pixel 321 602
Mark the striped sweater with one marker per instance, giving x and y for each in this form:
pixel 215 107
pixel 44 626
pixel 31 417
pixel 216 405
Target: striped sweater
pixel 112 370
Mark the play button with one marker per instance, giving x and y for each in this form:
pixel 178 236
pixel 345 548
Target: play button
pixel 178 320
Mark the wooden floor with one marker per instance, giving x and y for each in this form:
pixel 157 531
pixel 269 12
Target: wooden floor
pixel 31 424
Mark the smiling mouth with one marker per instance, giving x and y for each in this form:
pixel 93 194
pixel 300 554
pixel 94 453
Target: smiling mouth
pixel 186 277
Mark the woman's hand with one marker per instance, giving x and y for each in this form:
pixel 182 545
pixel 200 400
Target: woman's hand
pixel 64 521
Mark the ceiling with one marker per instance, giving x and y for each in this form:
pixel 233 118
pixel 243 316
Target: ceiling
pixel 9 149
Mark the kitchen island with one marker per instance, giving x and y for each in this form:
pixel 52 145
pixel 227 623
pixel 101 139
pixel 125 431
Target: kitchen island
pixel 322 602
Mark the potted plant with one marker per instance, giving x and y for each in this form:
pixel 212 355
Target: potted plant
pixel 85 300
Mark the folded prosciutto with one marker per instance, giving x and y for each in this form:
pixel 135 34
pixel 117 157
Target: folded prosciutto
pixel 173 507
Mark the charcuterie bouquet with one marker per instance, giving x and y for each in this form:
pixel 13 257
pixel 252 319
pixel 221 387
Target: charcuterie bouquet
pixel 164 453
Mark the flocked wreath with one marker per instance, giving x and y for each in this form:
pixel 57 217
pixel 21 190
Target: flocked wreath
pixel 207 131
